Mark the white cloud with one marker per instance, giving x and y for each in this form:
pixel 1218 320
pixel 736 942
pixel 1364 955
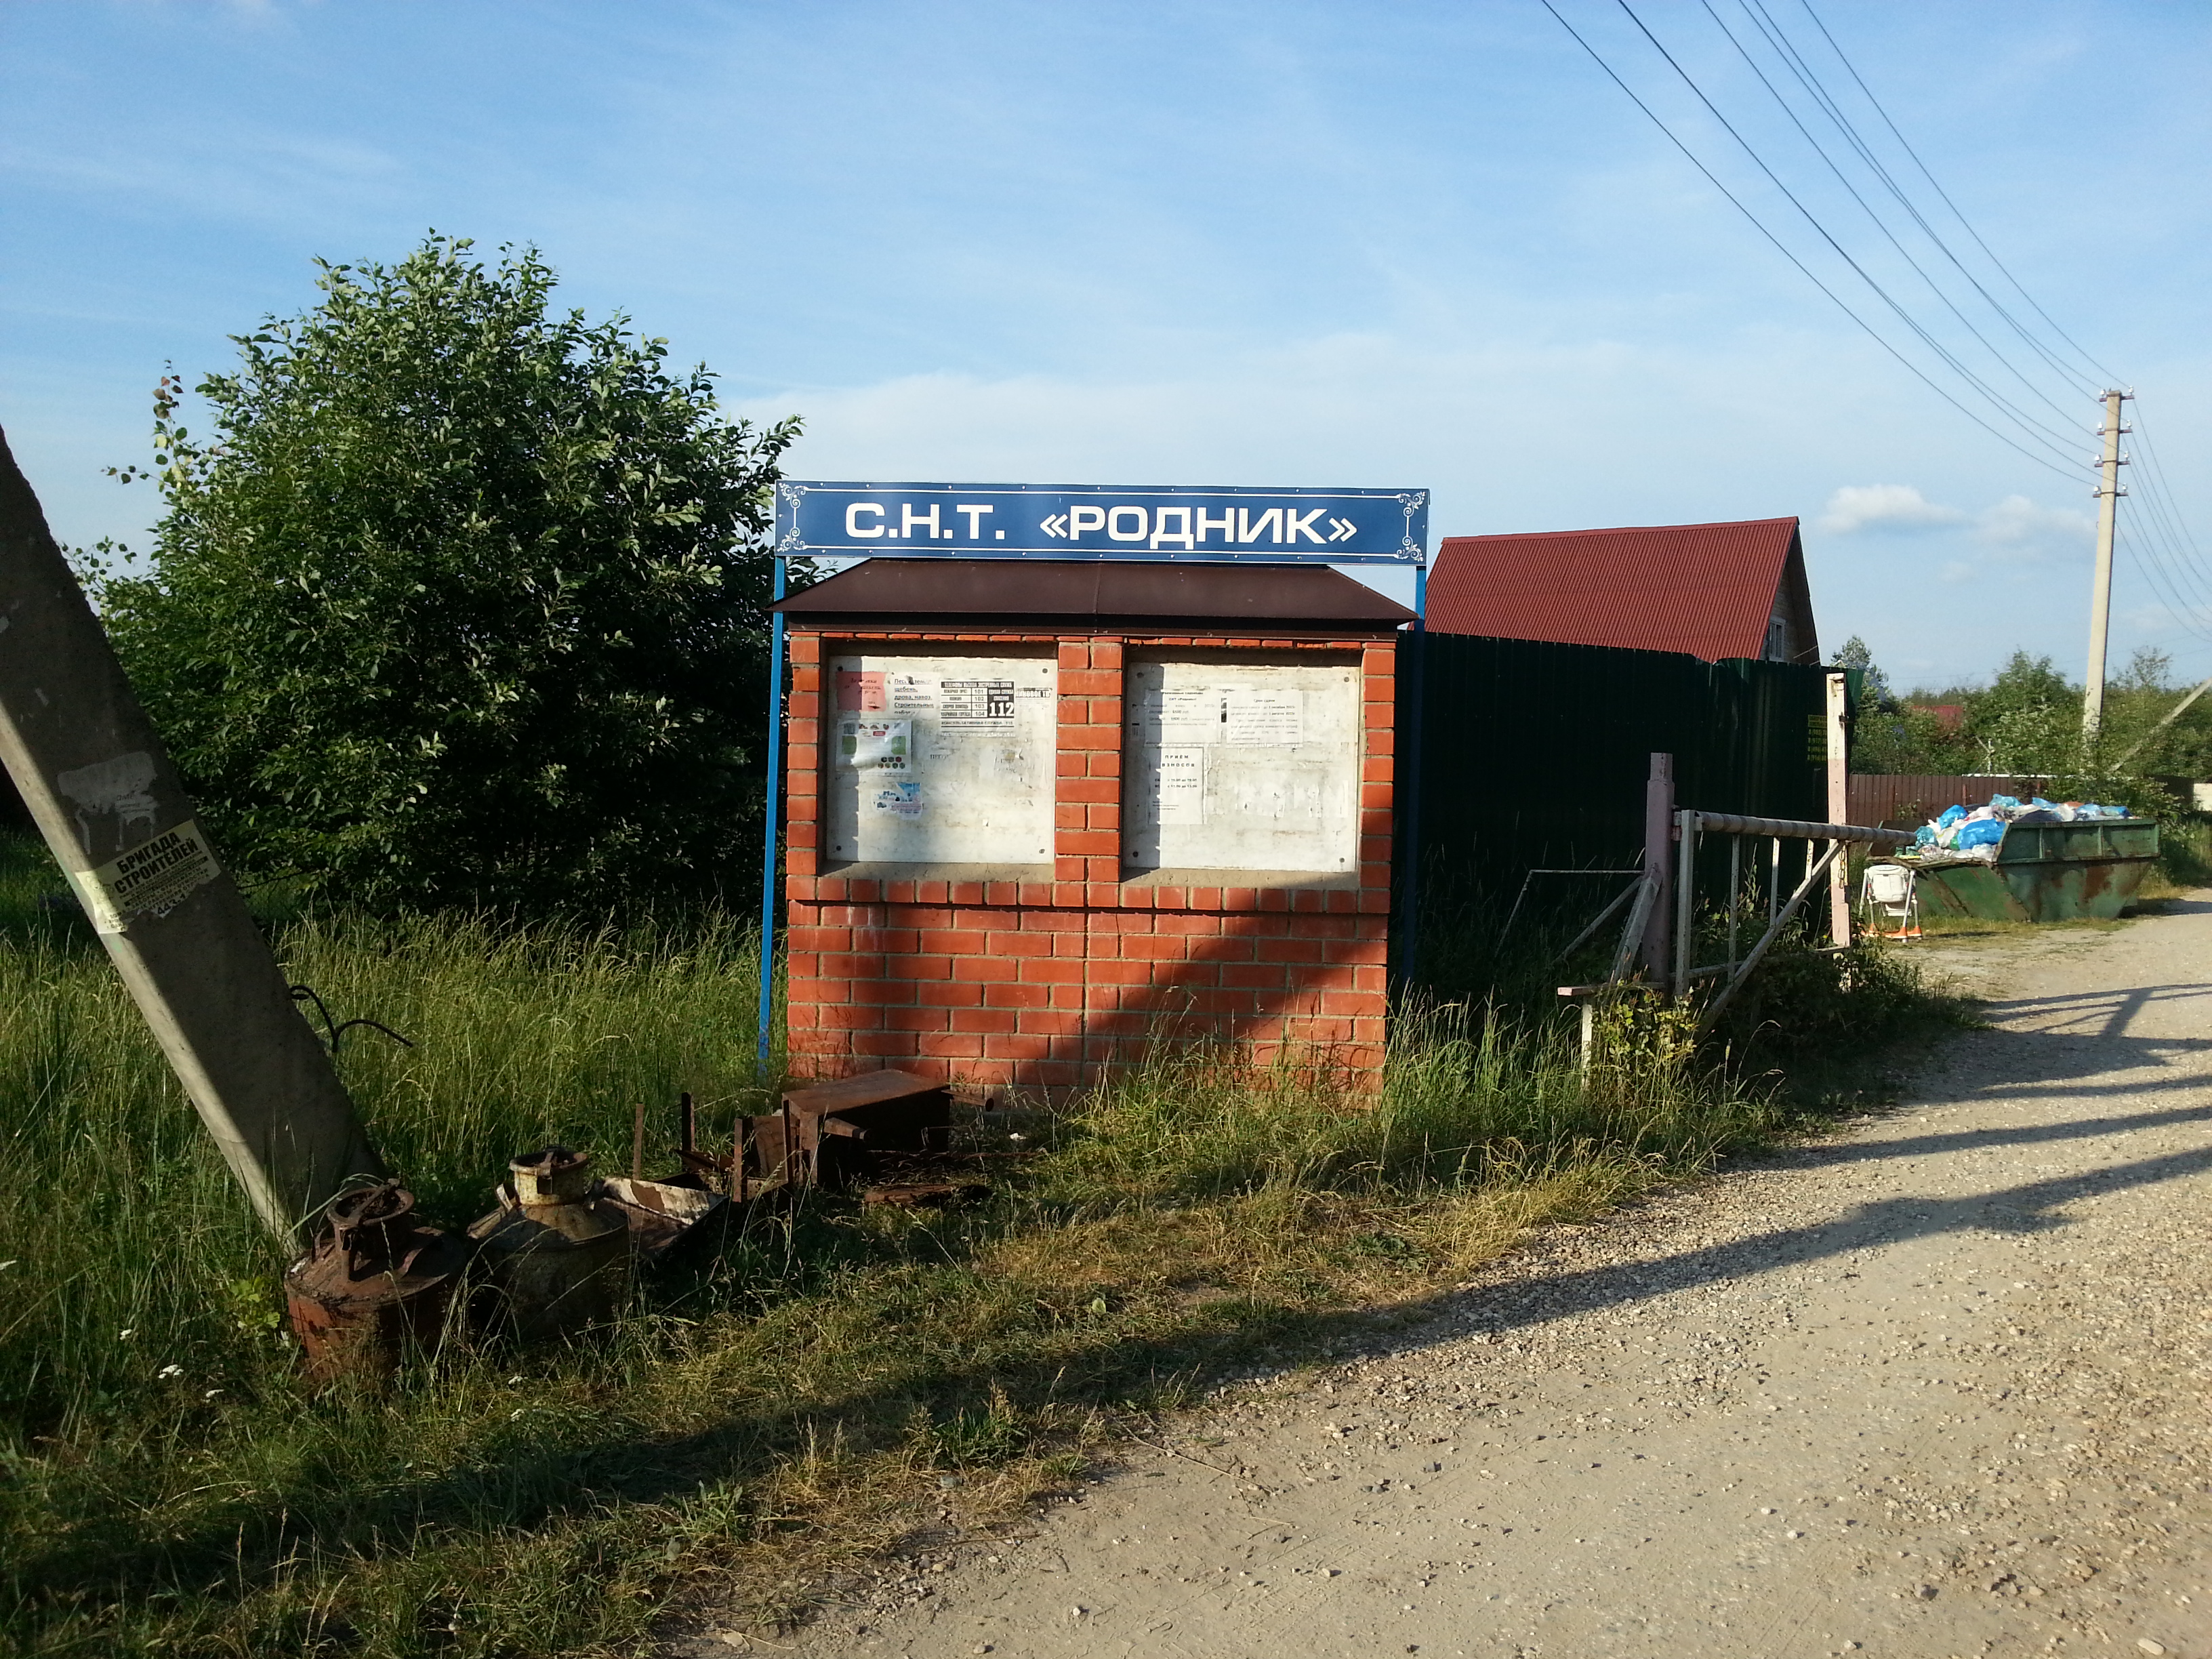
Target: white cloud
pixel 2014 531
pixel 2160 621
pixel 1885 506
pixel 2018 528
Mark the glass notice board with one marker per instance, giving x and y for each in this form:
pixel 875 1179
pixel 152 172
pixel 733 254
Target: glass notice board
pixel 1242 766
pixel 940 758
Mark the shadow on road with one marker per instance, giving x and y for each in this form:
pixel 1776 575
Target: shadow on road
pixel 2119 1007
pixel 2028 1209
pixel 2027 1135
pixel 544 1475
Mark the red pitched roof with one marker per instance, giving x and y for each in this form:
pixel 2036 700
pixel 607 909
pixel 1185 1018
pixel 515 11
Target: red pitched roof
pixel 1708 589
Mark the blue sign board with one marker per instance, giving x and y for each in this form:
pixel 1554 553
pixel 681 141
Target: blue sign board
pixel 1099 521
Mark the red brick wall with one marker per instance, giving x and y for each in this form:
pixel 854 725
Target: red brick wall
pixel 1044 983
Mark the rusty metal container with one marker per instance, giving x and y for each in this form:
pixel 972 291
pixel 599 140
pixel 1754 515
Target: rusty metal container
pixel 837 1130
pixel 2094 868
pixel 557 1249
pixel 670 1222
pixel 377 1285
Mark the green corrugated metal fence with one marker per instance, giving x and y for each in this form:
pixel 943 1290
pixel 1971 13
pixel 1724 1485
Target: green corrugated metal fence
pixel 1534 754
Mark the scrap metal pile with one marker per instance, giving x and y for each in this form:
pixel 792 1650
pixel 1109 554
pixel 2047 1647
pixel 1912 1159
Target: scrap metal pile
pixel 557 1254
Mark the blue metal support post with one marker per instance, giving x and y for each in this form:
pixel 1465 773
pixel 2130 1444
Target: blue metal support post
pixel 774 815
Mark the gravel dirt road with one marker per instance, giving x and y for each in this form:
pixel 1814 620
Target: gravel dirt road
pixel 1934 1386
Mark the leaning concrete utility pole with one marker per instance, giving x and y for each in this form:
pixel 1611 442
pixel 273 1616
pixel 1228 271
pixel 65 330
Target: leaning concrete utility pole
pixel 2100 596
pixel 108 801
pixel 2165 720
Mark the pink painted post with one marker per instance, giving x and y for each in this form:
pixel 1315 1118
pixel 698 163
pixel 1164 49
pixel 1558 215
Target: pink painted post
pixel 1839 809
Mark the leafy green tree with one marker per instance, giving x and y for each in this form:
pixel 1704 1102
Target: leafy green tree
pixel 2153 728
pixel 1895 735
pixel 1905 736
pixel 462 603
pixel 1873 683
pixel 2029 719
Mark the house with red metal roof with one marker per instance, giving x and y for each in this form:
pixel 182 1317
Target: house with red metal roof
pixel 1712 589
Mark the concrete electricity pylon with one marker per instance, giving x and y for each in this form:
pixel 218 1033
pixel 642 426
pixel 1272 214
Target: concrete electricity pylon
pixel 115 817
pixel 2100 593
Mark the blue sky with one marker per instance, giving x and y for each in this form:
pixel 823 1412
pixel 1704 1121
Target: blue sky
pixel 1196 243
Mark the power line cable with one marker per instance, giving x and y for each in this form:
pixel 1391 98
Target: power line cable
pixel 2160 575
pixel 2155 574
pixel 2157 472
pixel 2163 516
pixel 2181 584
pixel 2172 562
pixel 2029 428
pixel 2187 585
pixel 2159 523
pixel 1910 366
pixel 1808 77
pixel 1882 225
pixel 2180 581
pixel 1939 190
pixel 2160 578
pixel 2167 548
pixel 2169 579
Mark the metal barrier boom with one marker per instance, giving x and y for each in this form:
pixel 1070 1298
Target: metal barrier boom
pixel 1690 825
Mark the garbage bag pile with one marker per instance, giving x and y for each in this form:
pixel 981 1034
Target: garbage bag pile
pixel 1961 833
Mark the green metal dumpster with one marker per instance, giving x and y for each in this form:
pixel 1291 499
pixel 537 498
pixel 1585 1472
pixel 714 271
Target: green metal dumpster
pixel 2048 872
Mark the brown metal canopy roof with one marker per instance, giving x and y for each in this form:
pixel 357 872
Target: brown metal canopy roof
pixel 1097 590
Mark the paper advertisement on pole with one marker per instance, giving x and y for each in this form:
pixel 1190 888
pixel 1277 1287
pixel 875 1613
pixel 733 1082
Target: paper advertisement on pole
pixel 149 879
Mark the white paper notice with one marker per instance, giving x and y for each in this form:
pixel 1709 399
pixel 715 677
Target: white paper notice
pixel 1268 718
pixel 1190 713
pixel 152 879
pixel 1250 765
pixel 1183 786
pixel 886 745
pixel 901 797
pixel 976 706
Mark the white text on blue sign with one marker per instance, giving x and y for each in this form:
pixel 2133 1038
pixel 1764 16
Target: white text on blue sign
pixel 1089 521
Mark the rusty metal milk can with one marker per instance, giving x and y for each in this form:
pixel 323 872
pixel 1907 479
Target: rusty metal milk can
pixel 558 1253
pixel 378 1283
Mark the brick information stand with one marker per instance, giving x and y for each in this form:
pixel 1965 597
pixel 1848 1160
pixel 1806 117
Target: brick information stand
pixel 1029 805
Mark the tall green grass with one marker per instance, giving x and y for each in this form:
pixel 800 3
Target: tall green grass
pixel 2184 843
pixel 169 1485
pixel 1469 1099
pixel 117 1215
